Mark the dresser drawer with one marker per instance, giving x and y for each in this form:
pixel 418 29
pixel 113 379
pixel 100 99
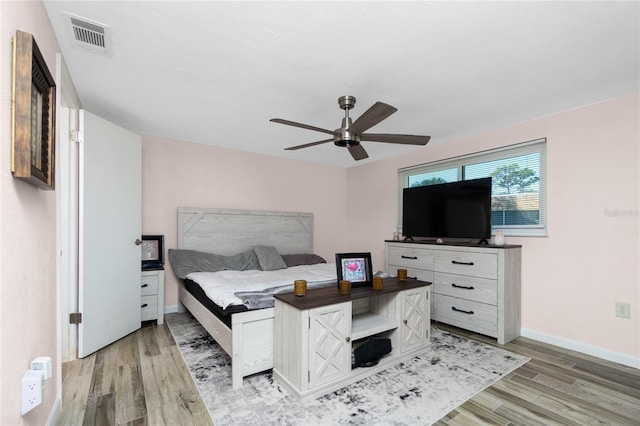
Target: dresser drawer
pixel 149 307
pixel 147 289
pixel 420 274
pixel 474 316
pixel 470 288
pixel 410 257
pixel 483 265
pixel 149 284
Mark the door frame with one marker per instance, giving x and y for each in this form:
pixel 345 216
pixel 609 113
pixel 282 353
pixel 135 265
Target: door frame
pixel 67 104
pixel 67 210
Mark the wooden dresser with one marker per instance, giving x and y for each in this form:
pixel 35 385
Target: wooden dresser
pixel 475 287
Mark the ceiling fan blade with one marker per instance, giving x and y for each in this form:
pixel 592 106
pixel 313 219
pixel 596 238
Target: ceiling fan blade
pixel 307 145
pixel 391 138
pixel 358 152
pixel 303 126
pixel 378 112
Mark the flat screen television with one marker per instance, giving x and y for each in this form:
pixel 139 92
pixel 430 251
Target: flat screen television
pixel 458 210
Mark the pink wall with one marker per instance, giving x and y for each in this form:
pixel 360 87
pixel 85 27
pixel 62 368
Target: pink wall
pixel 28 240
pixel 180 174
pixel 572 278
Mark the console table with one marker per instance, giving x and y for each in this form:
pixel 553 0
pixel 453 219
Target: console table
pixel 315 334
pixel 475 287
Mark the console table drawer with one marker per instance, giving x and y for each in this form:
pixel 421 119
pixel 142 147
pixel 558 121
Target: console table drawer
pixel 483 265
pixel 474 316
pixel 408 257
pixel 469 288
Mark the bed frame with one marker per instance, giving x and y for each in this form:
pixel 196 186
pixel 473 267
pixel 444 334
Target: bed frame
pixel 250 340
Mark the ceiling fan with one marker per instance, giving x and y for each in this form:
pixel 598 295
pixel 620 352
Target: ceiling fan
pixel 350 134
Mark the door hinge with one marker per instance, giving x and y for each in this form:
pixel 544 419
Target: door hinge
pixel 77 136
pixel 75 318
pixel 308 376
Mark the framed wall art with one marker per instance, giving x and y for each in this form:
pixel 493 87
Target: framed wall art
pixel 354 267
pixel 33 114
pixel 152 254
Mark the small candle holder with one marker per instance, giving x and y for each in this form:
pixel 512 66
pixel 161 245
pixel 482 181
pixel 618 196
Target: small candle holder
pixel 300 287
pixel 402 274
pixel 345 287
pixel 377 283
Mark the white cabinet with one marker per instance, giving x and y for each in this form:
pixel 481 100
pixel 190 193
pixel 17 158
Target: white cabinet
pixel 315 334
pixel 152 295
pixel 474 287
pixel 329 343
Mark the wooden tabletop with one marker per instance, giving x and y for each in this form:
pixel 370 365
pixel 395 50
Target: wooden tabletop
pixel 331 295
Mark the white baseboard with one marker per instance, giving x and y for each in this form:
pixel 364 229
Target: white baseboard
pixel 55 412
pixel 170 309
pixel 584 348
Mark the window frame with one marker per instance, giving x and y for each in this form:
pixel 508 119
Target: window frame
pixel 538 146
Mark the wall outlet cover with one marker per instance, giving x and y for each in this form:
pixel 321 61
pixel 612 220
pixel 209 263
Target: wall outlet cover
pixel 623 310
pixel 31 390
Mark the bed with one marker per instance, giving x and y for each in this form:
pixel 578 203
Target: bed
pixel 246 335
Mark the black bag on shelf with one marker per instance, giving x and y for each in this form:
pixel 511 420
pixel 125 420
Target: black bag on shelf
pixel 368 353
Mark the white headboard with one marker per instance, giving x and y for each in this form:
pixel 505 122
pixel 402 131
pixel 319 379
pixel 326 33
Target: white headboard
pixel 227 232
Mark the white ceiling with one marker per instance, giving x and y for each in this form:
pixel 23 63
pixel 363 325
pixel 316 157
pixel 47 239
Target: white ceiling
pixel 215 72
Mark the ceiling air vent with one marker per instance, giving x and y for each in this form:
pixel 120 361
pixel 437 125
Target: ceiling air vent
pixel 89 34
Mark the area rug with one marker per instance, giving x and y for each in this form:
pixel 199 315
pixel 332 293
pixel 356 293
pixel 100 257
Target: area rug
pixel 416 392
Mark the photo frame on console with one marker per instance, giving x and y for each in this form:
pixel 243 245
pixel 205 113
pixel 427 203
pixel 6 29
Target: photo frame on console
pixel 354 267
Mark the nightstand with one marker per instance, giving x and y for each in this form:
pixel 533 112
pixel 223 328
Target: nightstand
pixel 152 295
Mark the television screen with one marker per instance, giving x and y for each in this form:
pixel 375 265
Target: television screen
pixel 460 210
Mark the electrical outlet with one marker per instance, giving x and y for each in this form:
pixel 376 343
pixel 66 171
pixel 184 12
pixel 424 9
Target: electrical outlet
pixel 622 310
pixel 31 391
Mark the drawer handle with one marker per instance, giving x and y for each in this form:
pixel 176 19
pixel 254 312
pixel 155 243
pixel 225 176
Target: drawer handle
pixel 144 305
pixel 409 257
pixel 455 262
pixel 461 311
pixel 144 285
pixel 348 339
pixel 462 286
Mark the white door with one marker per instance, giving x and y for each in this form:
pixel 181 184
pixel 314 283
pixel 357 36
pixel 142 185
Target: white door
pixel 110 223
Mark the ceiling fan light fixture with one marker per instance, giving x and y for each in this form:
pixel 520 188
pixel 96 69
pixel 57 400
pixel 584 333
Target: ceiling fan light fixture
pixel 346 143
pixel 351 133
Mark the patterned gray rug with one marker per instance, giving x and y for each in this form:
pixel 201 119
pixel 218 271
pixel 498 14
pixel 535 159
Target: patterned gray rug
pixel 418 392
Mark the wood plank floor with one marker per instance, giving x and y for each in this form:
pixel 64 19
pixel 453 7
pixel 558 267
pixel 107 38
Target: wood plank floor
pixel 139 380
pixel 557 387
pixel 142 380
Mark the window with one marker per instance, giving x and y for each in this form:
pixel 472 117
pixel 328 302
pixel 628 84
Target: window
pixel 518 203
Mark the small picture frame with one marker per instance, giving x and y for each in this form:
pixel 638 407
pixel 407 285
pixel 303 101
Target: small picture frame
pixel 152 251
pixel 354 267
